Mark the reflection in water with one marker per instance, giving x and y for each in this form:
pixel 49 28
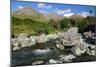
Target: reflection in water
pixel 44 52
pixel 27 56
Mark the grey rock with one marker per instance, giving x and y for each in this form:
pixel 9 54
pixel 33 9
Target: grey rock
pixel 16 48
pixel 14 42
pixel 38 62
pixel 78 50
pixel 92 47
pixel 89 34
pixel 52 36
pixel 60 46
pixel 41 39
pixel 72 31
pixel 66 58
pixel 93 52
pixel 21 42
pixel 52 61
pixel 27 42
pixel 71 37
pixel 23 35
pixel 33 41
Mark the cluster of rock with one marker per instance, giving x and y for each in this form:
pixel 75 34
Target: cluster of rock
pixel 62 59
pixel 63 39
pixel 89 34
pixel 90 37
pixel 74 39
pixel 23 40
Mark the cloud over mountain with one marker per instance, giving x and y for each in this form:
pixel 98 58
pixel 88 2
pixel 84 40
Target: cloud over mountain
pixel 62 12
pixel 84 14
pixel 42 5
pixel 20 7
pixel 68 14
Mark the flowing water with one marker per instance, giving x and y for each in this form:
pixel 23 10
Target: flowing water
pixel 44 52
pixel 28 55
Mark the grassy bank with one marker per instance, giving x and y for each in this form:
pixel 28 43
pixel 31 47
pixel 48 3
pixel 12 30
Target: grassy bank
pixel 32 27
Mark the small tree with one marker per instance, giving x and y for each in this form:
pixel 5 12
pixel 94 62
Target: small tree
pixel 65 23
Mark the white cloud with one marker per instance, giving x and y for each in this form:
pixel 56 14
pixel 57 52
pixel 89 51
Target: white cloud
pixel 43 11
pixel 42 5
pixel 20 7
pixel 61 12
pixel 84 14
pixel 49 6
pixel 68 14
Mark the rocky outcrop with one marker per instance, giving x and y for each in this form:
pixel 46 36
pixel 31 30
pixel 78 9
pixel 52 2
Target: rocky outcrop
pixel 90 37
pixel 61 40
pixel 65 46
pixel 89 34
pixel 79 49
pixel 71 37
pixel 62 59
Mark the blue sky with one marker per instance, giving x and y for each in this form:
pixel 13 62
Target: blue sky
pixel 60 9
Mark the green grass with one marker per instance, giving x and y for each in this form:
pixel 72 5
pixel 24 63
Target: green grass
pixel 33 27
pixel 30 26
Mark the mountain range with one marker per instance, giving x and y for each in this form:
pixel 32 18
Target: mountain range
pixel 30 13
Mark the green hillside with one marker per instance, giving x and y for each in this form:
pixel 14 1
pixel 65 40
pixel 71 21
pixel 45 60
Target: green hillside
pixel 31 27
pixel 32 22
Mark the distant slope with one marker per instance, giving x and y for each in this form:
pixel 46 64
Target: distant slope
pixel 76 17
pixel 29 13
pixel 55 17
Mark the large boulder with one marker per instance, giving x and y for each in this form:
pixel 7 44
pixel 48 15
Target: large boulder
pixel 71 37
pixel 72 31
pixel 22 41
pixel 33 41
pixel 66 58
pixel 22 36
pixel 14 42
pixel 60 46
pixel 78 50
pixel 52 36
pixel 41 39
pixel 91 50
pixel 27 42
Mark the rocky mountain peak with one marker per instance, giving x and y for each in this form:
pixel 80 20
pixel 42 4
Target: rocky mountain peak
pixel 26 10
pixel 76 16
